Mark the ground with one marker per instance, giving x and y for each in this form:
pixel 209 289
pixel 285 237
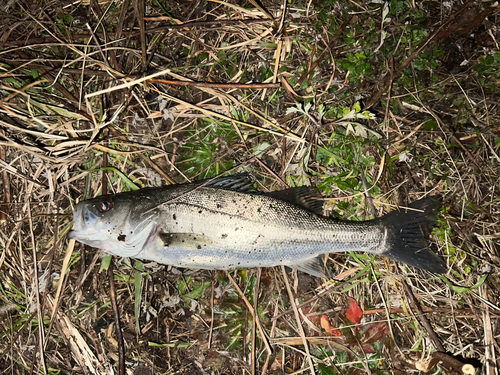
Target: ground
pixel 375 104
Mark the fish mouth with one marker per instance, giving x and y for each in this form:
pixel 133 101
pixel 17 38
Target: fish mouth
pixel 80 223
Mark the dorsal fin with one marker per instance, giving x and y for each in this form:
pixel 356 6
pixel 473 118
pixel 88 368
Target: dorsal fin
pixel 303 196
pixel 242 182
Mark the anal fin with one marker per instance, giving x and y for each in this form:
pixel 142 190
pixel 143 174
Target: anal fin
pixel 315 267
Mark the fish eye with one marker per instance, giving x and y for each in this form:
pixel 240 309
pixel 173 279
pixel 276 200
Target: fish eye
pixel 104 206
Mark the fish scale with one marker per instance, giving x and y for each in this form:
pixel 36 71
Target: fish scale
pixel 224 224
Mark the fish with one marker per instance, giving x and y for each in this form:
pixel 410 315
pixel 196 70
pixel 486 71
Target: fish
pixel 225 223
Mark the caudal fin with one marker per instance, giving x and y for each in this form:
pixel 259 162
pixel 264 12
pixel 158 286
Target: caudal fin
pixel 408 235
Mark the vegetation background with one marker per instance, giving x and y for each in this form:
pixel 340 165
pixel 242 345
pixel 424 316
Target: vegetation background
pixel 377 103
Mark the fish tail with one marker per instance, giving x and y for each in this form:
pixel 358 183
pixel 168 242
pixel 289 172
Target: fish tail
pixel 408 235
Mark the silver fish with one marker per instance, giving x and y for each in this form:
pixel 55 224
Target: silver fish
pixel 225 224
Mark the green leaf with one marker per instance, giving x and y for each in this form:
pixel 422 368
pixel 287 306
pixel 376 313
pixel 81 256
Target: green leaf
pixel 463 289
pixel 325 370
pixel 127 181
pixel 198 290
pixel 105 262
pixel 137 299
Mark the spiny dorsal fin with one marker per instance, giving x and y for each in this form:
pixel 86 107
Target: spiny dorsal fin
pixel 242 182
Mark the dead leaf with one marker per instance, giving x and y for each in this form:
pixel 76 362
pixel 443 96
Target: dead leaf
pixel 375 332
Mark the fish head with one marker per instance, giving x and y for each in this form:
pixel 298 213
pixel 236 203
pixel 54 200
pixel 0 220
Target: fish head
pixel 112 223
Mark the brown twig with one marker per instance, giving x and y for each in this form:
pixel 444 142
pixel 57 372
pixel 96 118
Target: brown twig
pixel 254 324
pixel 253 312
pixel 4 206
pixel 104 187
pixel 199 23
pixel 119 336
pixel 217 85
pixel 451 363
pixel 139 9
pixel 422 317
pixel 300 329
pixel 210 335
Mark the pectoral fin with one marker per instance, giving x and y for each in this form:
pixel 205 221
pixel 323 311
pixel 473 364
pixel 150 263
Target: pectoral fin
pixel 186 241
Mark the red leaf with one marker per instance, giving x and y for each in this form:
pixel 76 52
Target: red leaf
pixel 375 333
pixel 330 331
pixel 367 349
pixel 335 332
pixel 354 313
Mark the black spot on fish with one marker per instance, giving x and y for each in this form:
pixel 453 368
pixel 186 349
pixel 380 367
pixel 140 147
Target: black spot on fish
pixel 200 211
pixel 174 217
pixel 121 237
pixel 224 236
pixel 198 247
pixel 218 205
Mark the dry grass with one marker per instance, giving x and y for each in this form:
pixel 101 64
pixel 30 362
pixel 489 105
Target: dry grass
pixel 100 97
